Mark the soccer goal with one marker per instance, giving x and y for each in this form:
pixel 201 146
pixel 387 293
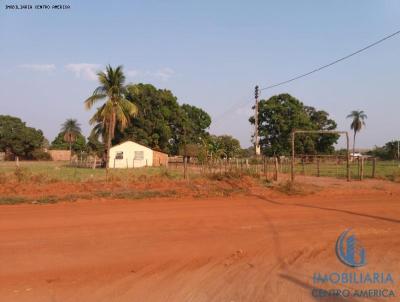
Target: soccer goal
pixel 317 165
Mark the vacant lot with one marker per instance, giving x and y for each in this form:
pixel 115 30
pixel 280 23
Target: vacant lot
pixel 41 172
pixel 261 246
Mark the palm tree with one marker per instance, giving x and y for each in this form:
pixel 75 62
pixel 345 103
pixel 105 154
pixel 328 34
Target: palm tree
pixel 71 129
pixel 358 122
pixel 116 109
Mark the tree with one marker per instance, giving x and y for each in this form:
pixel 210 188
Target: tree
pixel 223 146
pixel 358 121
pixel 71 129
pixel 157 123
pixel 17 139
pixel 196 123
pixel 78 145
pixel 283 113
pixel 94 146
pixel 116 111
pixel 214 147
pixel 390 150
pixel 230 146
pixel 321 121
pixel 161 123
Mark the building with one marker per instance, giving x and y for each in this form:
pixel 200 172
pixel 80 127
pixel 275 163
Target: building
pixel 60 155
pixel 133 155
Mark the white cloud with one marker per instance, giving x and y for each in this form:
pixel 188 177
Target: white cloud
pixel 84 70
pixel 164 73
pixel 39 67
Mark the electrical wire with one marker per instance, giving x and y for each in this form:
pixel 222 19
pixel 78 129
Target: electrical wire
pixel 241 104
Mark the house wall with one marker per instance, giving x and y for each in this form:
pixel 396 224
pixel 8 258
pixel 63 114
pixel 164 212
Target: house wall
pixel 128 160
pixel 59 155
pixel 160 159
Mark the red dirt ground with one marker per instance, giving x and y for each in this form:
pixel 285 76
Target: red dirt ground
pixel 265 246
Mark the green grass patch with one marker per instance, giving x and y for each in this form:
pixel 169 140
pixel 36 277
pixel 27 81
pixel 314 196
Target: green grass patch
pixel 13 200
pixel 49 171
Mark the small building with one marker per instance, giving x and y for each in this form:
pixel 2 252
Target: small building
pixel 133 155
pixel 60 155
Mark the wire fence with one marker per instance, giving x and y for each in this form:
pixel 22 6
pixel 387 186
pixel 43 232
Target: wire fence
pixel 305 165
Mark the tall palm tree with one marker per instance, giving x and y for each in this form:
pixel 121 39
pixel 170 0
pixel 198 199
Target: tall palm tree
pixel 71 129
pixel 357 123
pixel 116 109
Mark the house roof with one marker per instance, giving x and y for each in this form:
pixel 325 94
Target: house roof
pixel 131 141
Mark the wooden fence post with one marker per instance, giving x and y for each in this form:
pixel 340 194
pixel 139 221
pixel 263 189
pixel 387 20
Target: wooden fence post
pixel 373 167
pixel 276 169
pixel 292 163
pixel 362 168
pixel 318 171
pixel 184 168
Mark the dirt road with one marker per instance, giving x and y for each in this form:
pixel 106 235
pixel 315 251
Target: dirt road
pixel 261 247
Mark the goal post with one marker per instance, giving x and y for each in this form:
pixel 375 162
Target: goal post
pixel 292 172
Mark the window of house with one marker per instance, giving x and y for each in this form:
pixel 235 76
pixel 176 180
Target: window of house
pixel 119 155
pixel 139 155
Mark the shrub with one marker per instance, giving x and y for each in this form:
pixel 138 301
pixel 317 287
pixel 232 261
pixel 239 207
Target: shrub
pixel 40 155
pixel 21 174
pixel 39 178
pixel 3 178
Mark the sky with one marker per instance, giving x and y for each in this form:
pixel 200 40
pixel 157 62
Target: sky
pixel 210 54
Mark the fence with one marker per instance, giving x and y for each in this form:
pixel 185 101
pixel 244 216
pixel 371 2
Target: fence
pixel 273 167
pixel 269 167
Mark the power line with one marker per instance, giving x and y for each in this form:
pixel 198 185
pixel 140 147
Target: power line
pixel 332 63
pixel 239 105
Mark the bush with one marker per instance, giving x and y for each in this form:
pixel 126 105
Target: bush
pixel 3 178
pixel 22 174
pixel 40 155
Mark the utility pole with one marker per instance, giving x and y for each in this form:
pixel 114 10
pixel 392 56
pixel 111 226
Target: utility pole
pixel 256 139
pixel 398 149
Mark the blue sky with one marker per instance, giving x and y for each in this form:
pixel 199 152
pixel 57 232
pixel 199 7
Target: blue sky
pixel 209 53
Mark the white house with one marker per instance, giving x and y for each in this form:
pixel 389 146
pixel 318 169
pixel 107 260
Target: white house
pixel 133 155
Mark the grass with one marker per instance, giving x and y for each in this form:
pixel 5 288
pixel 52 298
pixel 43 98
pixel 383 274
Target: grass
pixel 291 188
pixel 49 199
pixel 389 170
pixel 45 172
pixel 59 171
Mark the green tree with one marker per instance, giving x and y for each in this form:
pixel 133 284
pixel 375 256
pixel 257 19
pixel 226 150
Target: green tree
pixel 223 146
pixel 78 144
pixel 196 123
pixel 116 110
pixel 230 146
pixel 389 151
pixel 161 123
pixel 320 121
pixel 358 121
pixel 94 146
pixel 71 129
pixel 214 147
pixel 17 139
pixel 283 113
